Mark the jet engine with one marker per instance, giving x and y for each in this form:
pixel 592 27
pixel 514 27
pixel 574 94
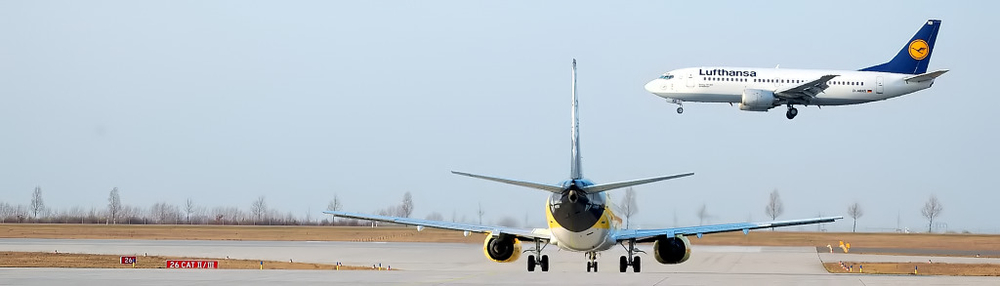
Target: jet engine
pixel 672 250
pixel 503 248
pixel 757 100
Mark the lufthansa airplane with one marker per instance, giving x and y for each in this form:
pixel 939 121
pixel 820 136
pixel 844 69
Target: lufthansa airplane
pixel 760 89
pixel 580 219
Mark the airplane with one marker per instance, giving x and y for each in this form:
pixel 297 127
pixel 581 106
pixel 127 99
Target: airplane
pixel 581 218
pixel 760 89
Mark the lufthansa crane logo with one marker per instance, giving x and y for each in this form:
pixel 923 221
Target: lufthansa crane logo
pixel 919 49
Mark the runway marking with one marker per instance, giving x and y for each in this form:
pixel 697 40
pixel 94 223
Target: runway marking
pixel 466 277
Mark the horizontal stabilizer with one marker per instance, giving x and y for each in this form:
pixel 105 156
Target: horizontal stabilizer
pixel 926 76
pixel 617 185
pixel 544 187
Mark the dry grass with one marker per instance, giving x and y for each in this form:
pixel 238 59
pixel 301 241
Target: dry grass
pixel 217 232
pixel 922 268
pixel 409 234
pixel 866 240
pixel 74 260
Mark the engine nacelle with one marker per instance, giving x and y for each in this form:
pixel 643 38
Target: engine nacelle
pixel 672 250
pixel 757 100
pixel 504 248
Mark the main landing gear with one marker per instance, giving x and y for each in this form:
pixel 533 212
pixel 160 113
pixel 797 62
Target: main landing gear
pixel 538 259
pixel 792 112
pixel 591 261
pixel 625 261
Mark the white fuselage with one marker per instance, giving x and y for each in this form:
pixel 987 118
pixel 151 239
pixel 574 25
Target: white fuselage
pixel 596 236
pixel 726 84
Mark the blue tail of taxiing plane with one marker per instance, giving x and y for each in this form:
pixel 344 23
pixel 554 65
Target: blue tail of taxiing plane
pixel 915 55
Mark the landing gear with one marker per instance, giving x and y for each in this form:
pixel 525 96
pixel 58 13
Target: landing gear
pixel 542 260
pixel 632 260
pixel 792 112
pixel 592 261
pixel 680 105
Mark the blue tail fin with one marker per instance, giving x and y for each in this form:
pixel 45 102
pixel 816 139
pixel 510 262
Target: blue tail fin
pixel 915 55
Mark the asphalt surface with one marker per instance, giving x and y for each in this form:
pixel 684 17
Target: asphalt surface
pixel 448 264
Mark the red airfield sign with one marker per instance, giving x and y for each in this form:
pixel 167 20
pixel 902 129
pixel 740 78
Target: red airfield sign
pixel 192 264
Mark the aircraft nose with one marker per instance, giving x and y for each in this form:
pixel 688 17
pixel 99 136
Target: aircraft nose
pixel 655 86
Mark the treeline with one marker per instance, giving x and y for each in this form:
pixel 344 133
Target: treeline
pixel 116 212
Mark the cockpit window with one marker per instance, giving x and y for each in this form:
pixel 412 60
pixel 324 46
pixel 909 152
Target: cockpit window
pixel 666 76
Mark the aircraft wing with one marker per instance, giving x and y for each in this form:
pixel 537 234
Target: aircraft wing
pixel 523 234
pixel 645 235
pixel 806 90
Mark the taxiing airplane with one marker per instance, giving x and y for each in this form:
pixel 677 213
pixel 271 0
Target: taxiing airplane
pixel 760 89
pixel 581 219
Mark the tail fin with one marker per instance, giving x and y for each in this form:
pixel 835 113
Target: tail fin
pixel 915 55
pixel 576 167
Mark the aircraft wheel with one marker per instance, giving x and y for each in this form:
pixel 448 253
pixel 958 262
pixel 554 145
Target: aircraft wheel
pixel 636 264
pixel 792 112
pixel 680 110
pixel 589 265
pixel 531 263
pixel 595 266
pixel 545 263
pixel 623 264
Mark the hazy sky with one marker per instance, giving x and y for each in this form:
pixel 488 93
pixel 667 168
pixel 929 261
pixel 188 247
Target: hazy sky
pixel 224 101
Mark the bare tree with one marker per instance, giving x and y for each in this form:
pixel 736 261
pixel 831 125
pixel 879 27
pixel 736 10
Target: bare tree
pixel 435 216
pixel 258 209
pixel 931 210
pixel 114 205
pixel 406 208
pixel 703 214
pixel 855 211
pixel 189 209
pixel 774 207
pixel 334 205
pixel 481 213
pixel 37 204
pixel 629 205
pixel 163 212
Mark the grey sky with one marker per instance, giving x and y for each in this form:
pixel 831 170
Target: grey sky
pixel 224 101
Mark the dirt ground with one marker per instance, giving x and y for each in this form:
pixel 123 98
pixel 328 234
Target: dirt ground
pixel 410 234
pixel 73 260
pixel 921 268
pixel 225 232
pixel 866 240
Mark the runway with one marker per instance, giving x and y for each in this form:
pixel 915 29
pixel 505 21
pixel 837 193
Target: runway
pixel 444 264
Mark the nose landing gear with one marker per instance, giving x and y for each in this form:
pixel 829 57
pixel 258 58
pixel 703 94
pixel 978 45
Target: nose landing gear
pixel 592 261
pixel 680 105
